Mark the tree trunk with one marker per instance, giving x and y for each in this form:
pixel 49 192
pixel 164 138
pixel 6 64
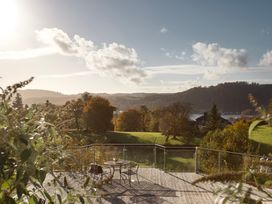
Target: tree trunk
pixel 167 138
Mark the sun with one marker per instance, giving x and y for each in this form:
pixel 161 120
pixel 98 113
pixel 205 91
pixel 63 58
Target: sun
pixel 8 18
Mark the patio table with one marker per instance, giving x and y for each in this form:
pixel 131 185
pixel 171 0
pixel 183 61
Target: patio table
pixel 119 164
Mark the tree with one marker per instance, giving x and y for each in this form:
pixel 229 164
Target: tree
pixel 232 138
pixel 99 114
pixel 130 120
pixel 18 102
pixel 72 113
pixel 175 121
pixel 145 114
pixel 213 119
pixel 154 123
pixel 77 109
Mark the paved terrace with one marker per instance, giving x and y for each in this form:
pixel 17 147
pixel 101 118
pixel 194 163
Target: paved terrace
pixel 156 186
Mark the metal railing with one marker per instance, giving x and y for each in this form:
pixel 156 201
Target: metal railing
pixel 212 160
pixel 187 158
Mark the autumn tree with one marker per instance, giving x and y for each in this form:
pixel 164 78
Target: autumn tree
pixel 99 114
pixel 73 112
pixel 130 120
pixel 175 121
pixel 154 123
pixel 145 114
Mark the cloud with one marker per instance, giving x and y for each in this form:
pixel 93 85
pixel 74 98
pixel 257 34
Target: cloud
pixel 117 60
pixel 183 69
pixel 266 59
pixel 214 55
pixel 60 40
pixel 223 59
pixel 163 30
pixel 113 59
pixel 174 55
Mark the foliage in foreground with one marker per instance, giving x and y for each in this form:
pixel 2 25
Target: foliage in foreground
pixel 236 191
pixel 29 150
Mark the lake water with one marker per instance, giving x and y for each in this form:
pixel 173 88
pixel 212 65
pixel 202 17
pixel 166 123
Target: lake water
pixel 226 116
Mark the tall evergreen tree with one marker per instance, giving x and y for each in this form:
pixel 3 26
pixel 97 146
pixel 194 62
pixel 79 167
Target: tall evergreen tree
pixel 18 102
pixel 213 119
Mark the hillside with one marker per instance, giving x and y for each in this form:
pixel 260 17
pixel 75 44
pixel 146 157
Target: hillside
pixel 229 97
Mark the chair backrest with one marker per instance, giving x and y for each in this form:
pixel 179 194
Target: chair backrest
pixel 134 166
pixel 96 169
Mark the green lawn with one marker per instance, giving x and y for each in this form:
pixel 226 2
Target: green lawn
pixel 142 137
pixel 262 134
pixel 180 163
pixel 139 137
pixel 131 137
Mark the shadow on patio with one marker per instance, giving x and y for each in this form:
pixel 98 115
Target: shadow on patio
pixel 143 192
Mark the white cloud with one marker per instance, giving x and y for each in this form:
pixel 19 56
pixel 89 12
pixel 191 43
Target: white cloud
pixel 214 55
pixel 60 40
pixel 114 59
pixel 117 60
pixel 163 30
pixel 266 59
pixel 224 60
pixel 183 69
pixel 174 55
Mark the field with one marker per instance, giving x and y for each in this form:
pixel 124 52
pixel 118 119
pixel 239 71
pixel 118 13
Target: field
pixel 133 137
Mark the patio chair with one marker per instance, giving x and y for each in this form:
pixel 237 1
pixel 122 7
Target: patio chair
pixel 97 172
pixel 132 169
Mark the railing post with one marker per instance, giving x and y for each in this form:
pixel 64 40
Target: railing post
pixel 164 159
pixel 155 156
pixel 124 152
pixel 219 161
pixel 93 154
pixel 196 160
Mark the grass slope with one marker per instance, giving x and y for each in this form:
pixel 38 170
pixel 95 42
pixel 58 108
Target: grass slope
pixel 143 137
pixel 139 137
pixel 262 134
pixel 132 137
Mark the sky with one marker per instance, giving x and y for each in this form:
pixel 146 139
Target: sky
pixel 126 46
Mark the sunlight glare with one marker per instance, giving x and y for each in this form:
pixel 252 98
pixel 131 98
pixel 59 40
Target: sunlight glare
pixel 8 18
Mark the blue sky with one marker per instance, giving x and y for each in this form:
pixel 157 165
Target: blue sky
pixel 135 46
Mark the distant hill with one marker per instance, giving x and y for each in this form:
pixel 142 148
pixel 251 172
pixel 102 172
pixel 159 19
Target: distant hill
pixel 229 97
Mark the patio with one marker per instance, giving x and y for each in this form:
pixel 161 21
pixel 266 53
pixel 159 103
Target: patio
pixel 156 186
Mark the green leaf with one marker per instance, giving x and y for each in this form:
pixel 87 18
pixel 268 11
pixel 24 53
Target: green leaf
pixel 65 182
pixel 19 173
pixel 25 154
pixel 23 140
pixel 9 200
pixel 5 185
pixel 41 176
pixel 81 200
pixel 20 190
pixel 86 182
pixel 48 196
pixel 59 198
pixel 33 200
